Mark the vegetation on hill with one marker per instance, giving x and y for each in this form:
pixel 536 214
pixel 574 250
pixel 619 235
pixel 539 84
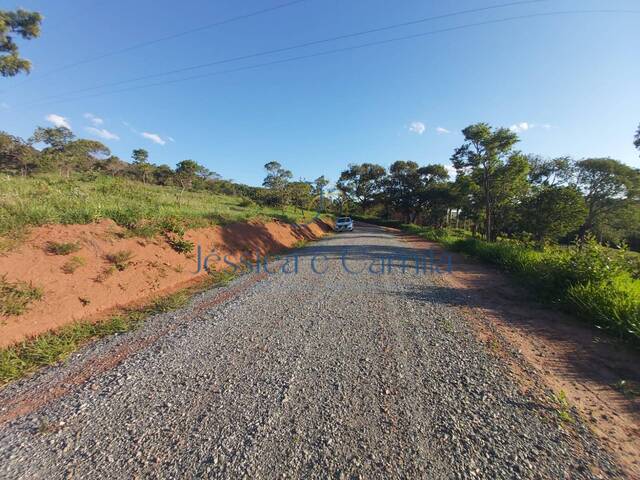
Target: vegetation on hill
pixel 563 227
pixel 500 192
pixel 76 181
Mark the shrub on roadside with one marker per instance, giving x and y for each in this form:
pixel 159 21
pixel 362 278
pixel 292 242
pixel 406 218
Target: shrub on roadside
pixel 586 277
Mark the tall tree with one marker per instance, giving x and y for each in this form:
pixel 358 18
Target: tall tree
pixel 82 154
pixel 636 139
pixel 487 157
pixel 186 173
pixel 16 155
pixel 318 191
pixel 553 212
pixel 276 181
pixel 550 172
pixel 300 194
pixel 141 165
pixel 56 138
pixel 362 183
pixel 54 155
pixel 277 177
pixel 608 185
pixel 24 24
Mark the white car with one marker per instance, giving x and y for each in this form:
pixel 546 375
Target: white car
pixel 344 224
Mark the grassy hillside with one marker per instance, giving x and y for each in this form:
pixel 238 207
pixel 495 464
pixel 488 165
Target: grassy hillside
pixel 44 199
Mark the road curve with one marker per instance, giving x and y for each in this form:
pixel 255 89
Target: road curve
pixel 334 371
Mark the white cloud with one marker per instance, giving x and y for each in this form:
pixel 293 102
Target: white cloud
pixel 154 137
pixel 520 127
pixel 102 133
pixel 93 119
pixel 58 120
pixel 524 126
pixel 442 130
pixel 417 127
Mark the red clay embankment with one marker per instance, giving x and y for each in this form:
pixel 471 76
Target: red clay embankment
pixel 96 289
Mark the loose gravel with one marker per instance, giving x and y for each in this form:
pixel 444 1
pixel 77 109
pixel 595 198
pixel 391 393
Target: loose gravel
pixel 301 375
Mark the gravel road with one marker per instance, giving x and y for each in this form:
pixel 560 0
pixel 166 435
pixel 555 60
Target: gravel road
pixel 299 375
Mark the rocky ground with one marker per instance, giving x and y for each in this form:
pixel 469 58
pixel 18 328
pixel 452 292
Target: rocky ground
pixel 309 374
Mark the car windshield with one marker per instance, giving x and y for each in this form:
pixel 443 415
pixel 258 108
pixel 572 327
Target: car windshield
pixel 344 220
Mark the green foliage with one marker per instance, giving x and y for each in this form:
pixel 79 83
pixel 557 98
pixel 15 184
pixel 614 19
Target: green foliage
pixel 362 183
pixel 15 297
pixel 62 248
pixel 246 202
pixel 180 245
pixel 563 408
pixel 496 174
pixel 553 212
pixel 608 187
pixel 586 278
pixel 24 24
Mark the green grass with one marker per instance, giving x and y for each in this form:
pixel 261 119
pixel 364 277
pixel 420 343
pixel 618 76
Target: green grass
pixel 56 248
pixel 71 265
pixel 144 209
pixel 563 408
pixel 47 349
pixel 597 284
pixel 15 297
pixel 120 259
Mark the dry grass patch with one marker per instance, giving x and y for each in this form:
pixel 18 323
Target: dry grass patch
pixel 15 297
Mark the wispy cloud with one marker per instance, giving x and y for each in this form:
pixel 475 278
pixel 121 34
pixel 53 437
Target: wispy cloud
pixel 4 106
pixel 93 119
pixel 442 130
pixel 102 133
pixel 171 139
pixel 154 137
pixel 520 127
pixel 525 126
pixel 58 120
pixel 417 127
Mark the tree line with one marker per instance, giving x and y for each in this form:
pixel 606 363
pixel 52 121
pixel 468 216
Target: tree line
pixel 64 154
pixel 499 191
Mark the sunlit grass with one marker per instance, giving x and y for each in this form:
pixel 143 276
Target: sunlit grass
pixel 50 199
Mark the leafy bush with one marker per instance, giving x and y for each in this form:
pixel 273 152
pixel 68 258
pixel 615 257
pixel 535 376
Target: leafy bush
pixel 246 202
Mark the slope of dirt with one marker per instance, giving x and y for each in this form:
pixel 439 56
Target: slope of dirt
pixel 96 287
pixel 556 350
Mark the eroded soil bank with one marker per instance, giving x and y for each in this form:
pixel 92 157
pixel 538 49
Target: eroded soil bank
pixel 97 286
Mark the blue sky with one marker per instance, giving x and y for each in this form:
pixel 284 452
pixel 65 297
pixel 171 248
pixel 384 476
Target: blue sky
pixel 567 83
